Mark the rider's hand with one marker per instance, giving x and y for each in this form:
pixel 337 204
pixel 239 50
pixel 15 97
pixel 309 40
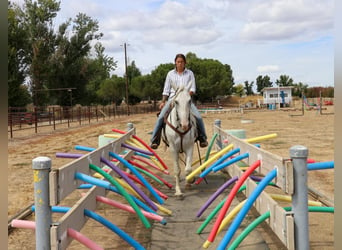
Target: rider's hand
pixel 161 105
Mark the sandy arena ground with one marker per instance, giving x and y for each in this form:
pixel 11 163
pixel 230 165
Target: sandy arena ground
pixel 313 130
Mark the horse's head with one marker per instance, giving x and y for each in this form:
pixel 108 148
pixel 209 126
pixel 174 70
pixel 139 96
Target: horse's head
pixel 182 103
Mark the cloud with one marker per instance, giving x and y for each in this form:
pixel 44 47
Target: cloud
pixel 173 22
pixel 282 19
pixel 268 69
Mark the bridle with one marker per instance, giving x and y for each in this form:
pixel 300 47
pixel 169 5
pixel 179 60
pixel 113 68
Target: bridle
pixel 176 129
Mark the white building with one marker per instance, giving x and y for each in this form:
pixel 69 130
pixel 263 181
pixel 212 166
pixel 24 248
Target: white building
pixel 277 96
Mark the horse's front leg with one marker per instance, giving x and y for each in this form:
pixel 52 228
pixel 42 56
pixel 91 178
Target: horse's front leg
pixel 188 164
pixel 177 171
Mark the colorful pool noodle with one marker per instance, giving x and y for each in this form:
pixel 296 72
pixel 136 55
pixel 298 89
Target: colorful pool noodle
pixel 244 210
pixel 120 172
pixel 105 184
pixel 288 198
pixel 131 141
pixel 231 215
pixel 71 232
pixel 230 162
pixel 261 138
pixel 128 182
pixel 169 185
pixel 140 158
pixel 215 195
pixel 320 165
pixel 132 177
pixel 127 208
pixel 134 171
pixel 190 176
pixel 229 200
pixel 115 190
pixel 219 161
pixel 69 155
pixel 278 197
pixel 144 143
pixel 154 160
pixel 138 202
pixel 202 158
pixel 212 141
pixel 147 173
pixel 105 222
pixel 218 208
pixel 265 216
pixel 125 145
pixel 84 148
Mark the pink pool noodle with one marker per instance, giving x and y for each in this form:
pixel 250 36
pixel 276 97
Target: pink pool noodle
pixel 139 158
pixel 132 177
pixel 144 143
pixel 169 185
pixel 71 232
pixel 129 208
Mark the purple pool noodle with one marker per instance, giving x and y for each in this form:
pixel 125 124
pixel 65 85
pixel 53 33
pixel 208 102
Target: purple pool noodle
pixel 68 155
pixel 130 182
pixel 214 196
pixel 256 178
pixel 136 149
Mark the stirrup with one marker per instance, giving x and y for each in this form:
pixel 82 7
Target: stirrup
pixel 203 144
pixel 154 145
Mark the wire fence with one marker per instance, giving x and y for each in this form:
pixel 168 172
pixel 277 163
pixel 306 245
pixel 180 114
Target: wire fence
pixel 20 119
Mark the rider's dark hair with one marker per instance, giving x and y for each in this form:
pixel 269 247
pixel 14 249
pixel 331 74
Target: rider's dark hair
pixel 180 56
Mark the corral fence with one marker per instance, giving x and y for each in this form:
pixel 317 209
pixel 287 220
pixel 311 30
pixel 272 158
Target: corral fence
pixel 21 119
pixel 54 185
pixel 290 176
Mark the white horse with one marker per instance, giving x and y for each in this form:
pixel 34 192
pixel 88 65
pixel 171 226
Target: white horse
pixel 180 132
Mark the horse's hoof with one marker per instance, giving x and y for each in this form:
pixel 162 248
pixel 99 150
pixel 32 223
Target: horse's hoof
pixel 179 196
pixel 188 186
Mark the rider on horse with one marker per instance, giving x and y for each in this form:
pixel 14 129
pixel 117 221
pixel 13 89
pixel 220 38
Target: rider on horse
pixel 180 76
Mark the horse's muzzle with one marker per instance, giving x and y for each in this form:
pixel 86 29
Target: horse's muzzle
pixel 185 127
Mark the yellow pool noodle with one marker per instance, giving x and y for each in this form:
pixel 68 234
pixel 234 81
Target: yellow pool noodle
pixel 209 161
pixel 282 197
pixel 261 138
pixel 230 216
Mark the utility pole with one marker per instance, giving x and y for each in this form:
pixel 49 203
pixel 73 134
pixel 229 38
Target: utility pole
pixel 126 76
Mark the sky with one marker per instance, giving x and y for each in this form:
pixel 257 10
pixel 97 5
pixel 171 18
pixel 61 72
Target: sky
pixel 254 37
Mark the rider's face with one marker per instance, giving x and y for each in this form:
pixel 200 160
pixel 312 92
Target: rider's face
pixel 180 64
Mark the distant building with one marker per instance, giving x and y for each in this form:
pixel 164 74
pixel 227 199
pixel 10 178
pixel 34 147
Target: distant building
pixel 277 96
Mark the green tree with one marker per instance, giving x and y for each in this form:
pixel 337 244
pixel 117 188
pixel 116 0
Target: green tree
pixel 112 90
pixel 249 88
pixel 99 70
pixel 213 78
pixel 239 90
pixel 38 22
pixel 284 80
pixel 299 88
pixel 18 94
pixel 157 81
pixel 263 82
pixel 132 71
pixel 72 65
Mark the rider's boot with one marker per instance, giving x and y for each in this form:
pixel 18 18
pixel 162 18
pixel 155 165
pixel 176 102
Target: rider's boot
pixel 155 141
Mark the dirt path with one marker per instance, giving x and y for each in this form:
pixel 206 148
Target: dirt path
pixel 312 130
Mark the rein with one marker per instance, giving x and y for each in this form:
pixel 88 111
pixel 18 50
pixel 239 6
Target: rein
pixel 180 133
